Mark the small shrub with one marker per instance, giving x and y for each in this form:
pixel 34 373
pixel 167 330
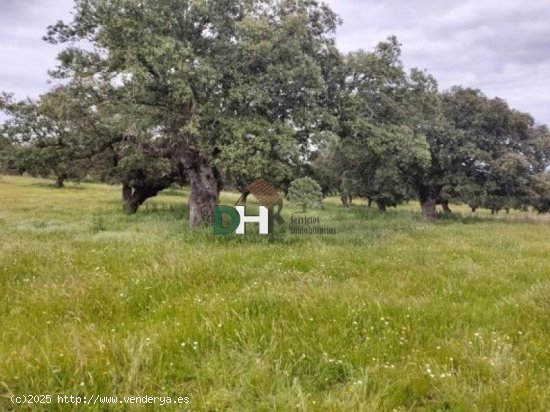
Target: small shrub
pixel 305 192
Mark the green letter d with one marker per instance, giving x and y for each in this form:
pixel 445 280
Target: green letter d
pixel 219 211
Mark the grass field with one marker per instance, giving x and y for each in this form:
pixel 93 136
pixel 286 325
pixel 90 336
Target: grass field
pixel 391 314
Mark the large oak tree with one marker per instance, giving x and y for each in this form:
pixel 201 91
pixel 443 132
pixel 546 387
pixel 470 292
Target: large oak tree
pixel 205 75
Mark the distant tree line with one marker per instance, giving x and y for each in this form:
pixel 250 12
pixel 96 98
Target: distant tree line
pixel 220 93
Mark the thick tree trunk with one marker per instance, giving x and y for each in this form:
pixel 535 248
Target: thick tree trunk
pixel 347 200
pixel 60 181
pixel 428 201
pixel 381 206
pixel 133 203
pixel 445 206
pixel 126 192
pixel 134 197
pixel 344 199
pixel 138 196
pixel 205 190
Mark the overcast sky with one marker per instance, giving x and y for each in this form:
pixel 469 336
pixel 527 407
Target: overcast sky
pixel 500 46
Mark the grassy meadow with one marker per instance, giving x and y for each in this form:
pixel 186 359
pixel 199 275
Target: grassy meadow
pixel 391 314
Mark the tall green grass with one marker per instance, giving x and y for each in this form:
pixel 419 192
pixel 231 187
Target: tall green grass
pixel 392 313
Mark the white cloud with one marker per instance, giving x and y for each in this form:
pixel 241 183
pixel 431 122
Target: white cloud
pixel 26 57
pixel 499 46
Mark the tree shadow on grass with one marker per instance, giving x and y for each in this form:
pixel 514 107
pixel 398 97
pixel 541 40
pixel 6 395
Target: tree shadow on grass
pixel 175 211
pixel 175 191
pixel 152 208
pixel 280 236
pixel 74 187
pixel 445 219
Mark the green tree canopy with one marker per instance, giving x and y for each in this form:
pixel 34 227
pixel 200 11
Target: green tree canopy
pixel 305 192
pixel 205 75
